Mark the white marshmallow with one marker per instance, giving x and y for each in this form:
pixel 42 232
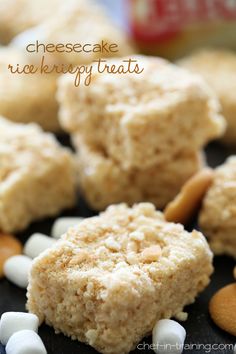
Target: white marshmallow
pixel 16 269
pixel 12 322
pixel 61 225
pixel 25 342
pixel 36 244
pixel 168 336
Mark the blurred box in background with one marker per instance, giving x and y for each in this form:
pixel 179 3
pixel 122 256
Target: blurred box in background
pixel 173 28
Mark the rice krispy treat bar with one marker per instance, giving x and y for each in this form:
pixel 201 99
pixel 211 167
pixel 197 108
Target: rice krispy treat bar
pixel 78 21
pixel 37 177
pixel 27 98
pixel 218 215
pixel 142 120
pixel 104 182
pixel 18 15
pixel 110 278
pixel 223 62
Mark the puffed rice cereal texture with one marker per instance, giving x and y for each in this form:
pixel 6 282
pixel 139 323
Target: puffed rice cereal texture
pixel 79 22
pixel 218 215
pixel 37 176
pixel 26 98
pixel 207 63
pixel 19 15
pixel 110 278
pixel 103 181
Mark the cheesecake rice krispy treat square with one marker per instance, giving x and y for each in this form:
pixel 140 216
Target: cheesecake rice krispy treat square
pixel 142 120
pixel 110 278
pixel 19 15
pixel 78 22
pixel 104 182
pixel 218 214
pixel 37 176
pixel 27 98
pixel 207 63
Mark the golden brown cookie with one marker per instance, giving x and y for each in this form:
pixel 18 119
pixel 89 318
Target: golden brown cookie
pixel 222 308
pixel 234 272
pixel 182 208
pixel 9 246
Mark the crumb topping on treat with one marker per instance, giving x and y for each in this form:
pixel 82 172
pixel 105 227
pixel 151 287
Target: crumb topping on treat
pixel 120 237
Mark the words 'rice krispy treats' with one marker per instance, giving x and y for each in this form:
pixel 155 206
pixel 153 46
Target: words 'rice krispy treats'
pixel 103 181
pixel 37 176
pixel 208 62
pixel 142 119
pixel 27 98
pixel 78 22
pixel 218 215
pixel 110 278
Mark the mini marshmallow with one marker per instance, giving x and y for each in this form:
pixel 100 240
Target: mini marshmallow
pixel 12 322
pixel 168 336
pixel 61 225
pixel 16 269
pixel 36 244
pixel 25 342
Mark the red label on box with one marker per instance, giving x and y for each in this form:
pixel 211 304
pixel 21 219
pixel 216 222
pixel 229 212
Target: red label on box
pixel 163 19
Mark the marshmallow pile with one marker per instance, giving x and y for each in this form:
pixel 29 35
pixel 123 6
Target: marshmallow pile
pixel 17 268
pixel 18 332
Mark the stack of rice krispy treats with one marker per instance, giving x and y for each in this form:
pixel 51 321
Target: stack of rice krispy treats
pixel 138 137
